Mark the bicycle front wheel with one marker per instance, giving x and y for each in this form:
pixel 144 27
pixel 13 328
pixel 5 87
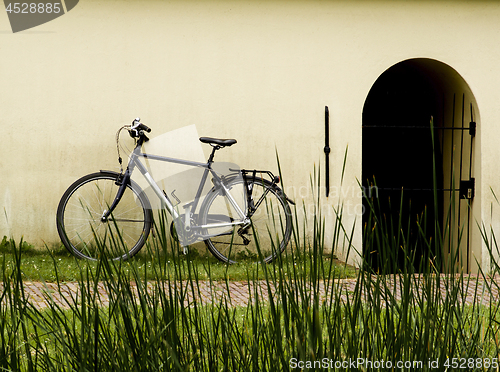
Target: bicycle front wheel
pixel 79 221
pixel 263 239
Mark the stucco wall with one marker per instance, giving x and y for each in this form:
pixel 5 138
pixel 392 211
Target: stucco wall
pixel 260 72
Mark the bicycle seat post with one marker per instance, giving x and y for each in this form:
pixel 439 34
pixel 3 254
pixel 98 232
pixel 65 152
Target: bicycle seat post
pixel 211 158
pixel 216 143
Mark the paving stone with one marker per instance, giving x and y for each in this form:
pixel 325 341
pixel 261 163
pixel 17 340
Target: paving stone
pixel 237 293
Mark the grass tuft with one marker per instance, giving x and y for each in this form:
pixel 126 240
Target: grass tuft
pixel 302 315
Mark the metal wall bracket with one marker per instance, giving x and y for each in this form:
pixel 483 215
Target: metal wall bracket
pixel 327 150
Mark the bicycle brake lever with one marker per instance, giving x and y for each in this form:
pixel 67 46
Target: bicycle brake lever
pixel 136 122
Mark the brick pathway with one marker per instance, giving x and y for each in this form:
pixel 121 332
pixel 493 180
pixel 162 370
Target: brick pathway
pixel 240 293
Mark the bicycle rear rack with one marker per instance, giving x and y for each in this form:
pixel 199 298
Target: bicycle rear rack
pixel 274 179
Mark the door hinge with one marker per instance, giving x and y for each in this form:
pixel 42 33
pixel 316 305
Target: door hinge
pixel 472 128
pixel 467 188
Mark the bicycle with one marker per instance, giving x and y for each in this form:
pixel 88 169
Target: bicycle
pixel 108 208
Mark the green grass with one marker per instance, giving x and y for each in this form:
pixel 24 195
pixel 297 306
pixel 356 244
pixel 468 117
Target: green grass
pixel 287 322
pixel 155 331
pixel 224 328
pixel 57 264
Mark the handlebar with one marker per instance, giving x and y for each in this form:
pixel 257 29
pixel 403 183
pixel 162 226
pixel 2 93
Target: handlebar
pixel 136 124
pixel 137 129
pixel 144 127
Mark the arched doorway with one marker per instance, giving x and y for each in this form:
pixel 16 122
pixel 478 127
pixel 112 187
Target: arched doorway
pixel 423 177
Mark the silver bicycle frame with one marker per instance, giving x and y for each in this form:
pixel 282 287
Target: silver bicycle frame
pixel 136 163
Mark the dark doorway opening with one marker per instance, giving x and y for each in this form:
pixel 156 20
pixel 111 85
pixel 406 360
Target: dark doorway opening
pixel 414 173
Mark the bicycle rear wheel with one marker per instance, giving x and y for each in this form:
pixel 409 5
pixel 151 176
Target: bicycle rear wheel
pixel 79 218
pixel 263 239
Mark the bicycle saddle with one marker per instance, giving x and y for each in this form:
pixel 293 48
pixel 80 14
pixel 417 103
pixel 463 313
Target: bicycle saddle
pixel 218 141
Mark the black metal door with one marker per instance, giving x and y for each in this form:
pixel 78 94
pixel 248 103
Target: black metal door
pixel 457 140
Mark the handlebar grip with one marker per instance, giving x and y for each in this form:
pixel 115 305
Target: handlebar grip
pixel 144 127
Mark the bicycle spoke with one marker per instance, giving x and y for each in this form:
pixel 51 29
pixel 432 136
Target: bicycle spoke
pixel 125 220
pixel 264 235
pixel 125 230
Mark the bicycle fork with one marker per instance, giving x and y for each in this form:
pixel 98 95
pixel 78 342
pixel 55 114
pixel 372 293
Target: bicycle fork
pixel 122 181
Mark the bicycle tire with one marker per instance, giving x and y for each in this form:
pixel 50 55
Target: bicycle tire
pixel 268 234
pixel 79 218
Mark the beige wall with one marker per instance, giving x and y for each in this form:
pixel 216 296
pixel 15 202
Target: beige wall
pixel 257 71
